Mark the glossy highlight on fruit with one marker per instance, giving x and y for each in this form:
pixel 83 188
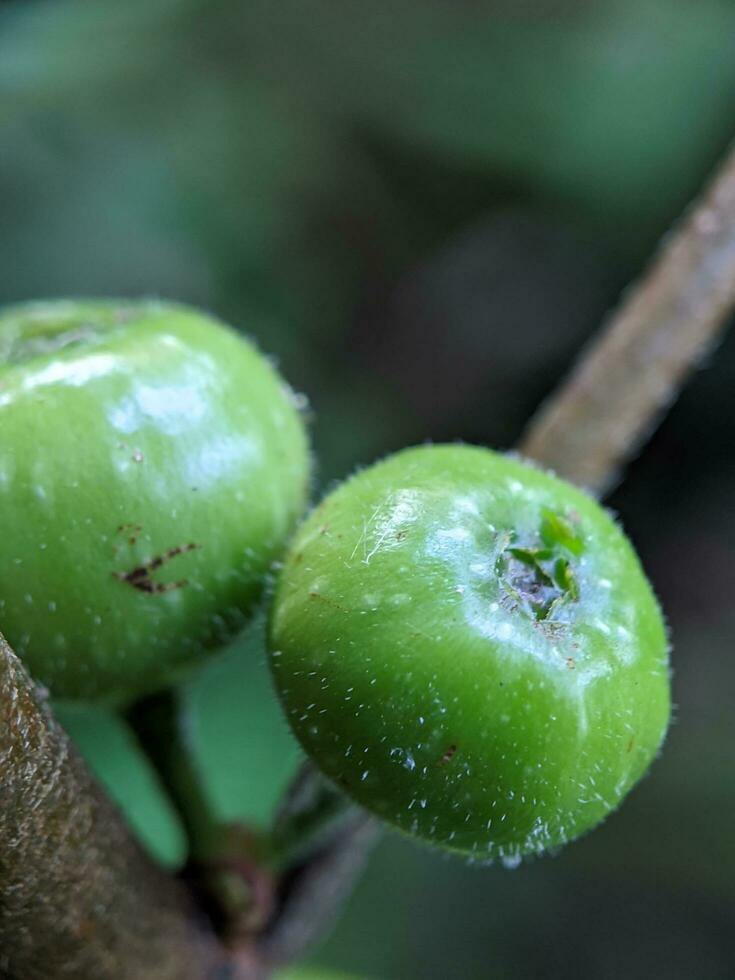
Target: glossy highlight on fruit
pixel 469 648
pixel 152 464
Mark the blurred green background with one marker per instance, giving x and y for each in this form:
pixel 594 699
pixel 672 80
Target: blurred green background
pixel 422 209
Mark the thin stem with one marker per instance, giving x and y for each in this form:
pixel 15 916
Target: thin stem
pixel 278 892
pixel 312 813
pixel 158 724
pixel 228 863
pixel 77 896
pixel 633 370
pixel 321 841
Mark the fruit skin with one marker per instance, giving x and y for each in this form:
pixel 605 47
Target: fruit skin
pixel 152 464
pixel 429 668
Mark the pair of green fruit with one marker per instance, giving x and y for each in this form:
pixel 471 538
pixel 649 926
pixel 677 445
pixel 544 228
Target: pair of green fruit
pixel 464 644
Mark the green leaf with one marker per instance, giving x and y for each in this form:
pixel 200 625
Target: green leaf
pixel 237 734
pixel 114 756
pixel 557 531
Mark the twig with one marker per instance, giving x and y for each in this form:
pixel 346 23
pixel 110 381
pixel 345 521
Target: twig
pixel 323 841
pixel 77 896
pixel 313 897
pixel 160 728
pixel 664 326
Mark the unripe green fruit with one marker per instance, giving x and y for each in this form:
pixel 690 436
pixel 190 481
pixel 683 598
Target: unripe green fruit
pixel 152 463
pixel 469 648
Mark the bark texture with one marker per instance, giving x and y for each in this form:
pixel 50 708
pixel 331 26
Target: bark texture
pixel 77 896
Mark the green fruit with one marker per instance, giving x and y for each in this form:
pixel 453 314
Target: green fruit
pixel 152 463
pixel 470 649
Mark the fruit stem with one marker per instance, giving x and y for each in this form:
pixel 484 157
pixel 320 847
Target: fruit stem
pixel 311 814
pixel 160 728
pixel 321 842
pixel 633 369
pixel 276 892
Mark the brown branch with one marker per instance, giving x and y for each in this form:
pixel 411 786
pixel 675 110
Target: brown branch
pixel 311 895
pixel 77 896
pixel 660 332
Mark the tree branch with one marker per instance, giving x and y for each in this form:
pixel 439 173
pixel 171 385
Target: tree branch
pixel 663 327
pixel 77 896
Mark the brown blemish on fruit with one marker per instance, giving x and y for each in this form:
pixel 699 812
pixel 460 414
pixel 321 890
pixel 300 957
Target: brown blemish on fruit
pixel 141 578
pixel 401 535
pixel 449 754
pixel 571 663
pixel 631 743
pixel 327 601
pixel 132 530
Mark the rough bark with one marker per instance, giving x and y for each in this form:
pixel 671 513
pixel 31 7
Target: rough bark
pixel 77 896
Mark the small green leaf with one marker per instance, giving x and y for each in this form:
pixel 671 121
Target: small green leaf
pixel 557 531
pixel 564 578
